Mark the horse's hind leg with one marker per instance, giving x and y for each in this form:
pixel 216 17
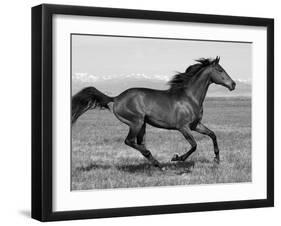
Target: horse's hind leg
pixel 141 136
pixel 188 136
pixel 137 133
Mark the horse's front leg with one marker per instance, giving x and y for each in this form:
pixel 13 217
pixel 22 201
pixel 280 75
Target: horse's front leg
pixel 200 128
pixel 188 136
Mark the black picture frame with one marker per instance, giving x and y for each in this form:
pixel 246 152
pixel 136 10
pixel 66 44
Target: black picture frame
pixel 42 111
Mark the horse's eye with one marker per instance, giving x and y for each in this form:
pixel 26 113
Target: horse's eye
pixel 219 69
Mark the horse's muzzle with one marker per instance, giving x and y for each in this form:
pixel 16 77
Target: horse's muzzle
pixel 232 86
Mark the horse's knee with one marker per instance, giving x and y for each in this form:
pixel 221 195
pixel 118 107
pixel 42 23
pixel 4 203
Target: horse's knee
pixel 213 136
pixel 194 146
pixel 193 149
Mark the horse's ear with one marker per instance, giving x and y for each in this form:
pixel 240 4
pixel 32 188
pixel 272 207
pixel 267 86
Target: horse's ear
pixel 217 60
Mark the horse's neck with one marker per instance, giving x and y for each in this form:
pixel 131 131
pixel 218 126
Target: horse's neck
pixel 198 87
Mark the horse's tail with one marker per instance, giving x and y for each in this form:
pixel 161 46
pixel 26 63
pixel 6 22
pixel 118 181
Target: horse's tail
pixel 88 98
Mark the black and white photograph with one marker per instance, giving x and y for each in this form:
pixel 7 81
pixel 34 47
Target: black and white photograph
pixel 148 112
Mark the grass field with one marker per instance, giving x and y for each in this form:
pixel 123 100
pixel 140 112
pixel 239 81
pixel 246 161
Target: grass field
pixel 100 159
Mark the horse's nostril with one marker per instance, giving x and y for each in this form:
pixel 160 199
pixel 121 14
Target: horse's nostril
pixel 231 85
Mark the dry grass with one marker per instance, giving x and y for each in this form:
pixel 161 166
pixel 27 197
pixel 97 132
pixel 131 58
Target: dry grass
pixel 100 159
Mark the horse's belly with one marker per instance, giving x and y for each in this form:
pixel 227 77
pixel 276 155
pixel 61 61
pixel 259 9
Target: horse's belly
pixel 159 122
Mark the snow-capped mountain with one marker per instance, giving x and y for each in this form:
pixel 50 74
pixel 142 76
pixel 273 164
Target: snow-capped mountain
pixel 85 77
pixel 115 84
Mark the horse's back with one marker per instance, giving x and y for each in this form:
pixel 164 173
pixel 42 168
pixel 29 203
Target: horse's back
pixel 137 97
pixel 143 97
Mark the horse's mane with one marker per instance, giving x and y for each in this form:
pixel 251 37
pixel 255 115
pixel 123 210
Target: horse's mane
pixel 181 79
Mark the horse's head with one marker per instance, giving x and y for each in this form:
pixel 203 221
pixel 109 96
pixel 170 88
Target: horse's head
pixel 219 75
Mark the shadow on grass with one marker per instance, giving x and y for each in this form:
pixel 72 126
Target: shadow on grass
pixel 177 168
pixel 93 166
pixel 169 166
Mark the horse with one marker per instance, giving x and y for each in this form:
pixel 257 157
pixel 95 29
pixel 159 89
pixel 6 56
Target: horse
pixel 180 107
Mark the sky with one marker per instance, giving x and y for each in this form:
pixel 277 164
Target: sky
pixel 113 56
pixel 114 64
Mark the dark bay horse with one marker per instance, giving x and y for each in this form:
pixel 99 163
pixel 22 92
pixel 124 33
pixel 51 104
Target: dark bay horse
pixel 178 108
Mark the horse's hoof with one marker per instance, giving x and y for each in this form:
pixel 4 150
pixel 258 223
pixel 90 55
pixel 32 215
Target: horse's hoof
pixel 175 158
